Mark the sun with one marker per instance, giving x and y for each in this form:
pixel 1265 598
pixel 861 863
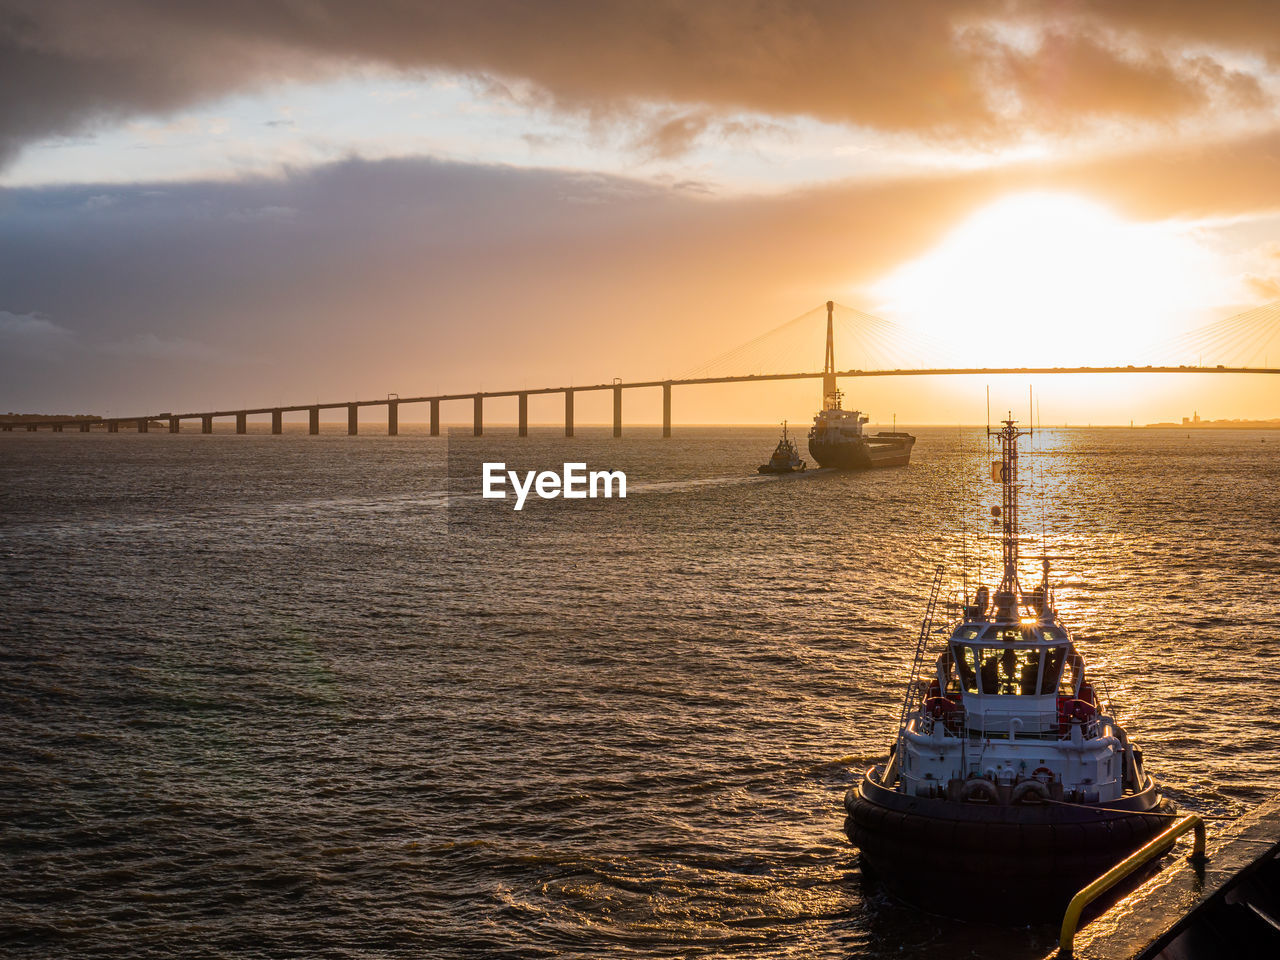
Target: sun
pixel 1055 279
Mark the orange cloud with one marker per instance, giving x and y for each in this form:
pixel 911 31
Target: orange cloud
pixel 980 70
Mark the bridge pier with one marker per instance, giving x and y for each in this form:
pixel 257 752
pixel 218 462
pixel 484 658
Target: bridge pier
pixel 617 411
pixel 174 424
pixel 206 424
pixel 242 423
pixel 84 428
pixel 113 426
pixel 313 421
pixel 353 420
pixel 31 428
pixel 524 414
pixel 666 409
pixel 477 417
pixel 277 421
pixel 143 424
pixel 393 418
pixel 568 413
pixel 7 427
pixel 435 418
pixel 57 428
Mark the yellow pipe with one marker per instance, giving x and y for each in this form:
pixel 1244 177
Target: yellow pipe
pixel 1153 849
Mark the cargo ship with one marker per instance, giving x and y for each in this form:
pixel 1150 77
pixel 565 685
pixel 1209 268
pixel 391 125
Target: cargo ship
pixel 836 438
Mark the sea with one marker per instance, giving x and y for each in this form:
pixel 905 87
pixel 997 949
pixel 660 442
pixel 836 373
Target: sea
pixel 292 696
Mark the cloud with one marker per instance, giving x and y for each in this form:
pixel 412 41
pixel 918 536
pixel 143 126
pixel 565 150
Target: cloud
pixel 1072 76
pixel 981 70
pixel 413 275
pixel 1266 288
pixel 28 338
pixel 267 214
pixel 151 346
pixel 673 136
pixel 28 342
pixel 19 330
pixel 668 135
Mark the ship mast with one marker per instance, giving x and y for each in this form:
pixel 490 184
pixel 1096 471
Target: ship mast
pixel 1006 598
pixel 830 392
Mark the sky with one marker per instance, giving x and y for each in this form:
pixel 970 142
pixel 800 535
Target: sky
pixel 212 205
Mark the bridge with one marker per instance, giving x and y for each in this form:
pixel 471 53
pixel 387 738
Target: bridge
pixel 1247 332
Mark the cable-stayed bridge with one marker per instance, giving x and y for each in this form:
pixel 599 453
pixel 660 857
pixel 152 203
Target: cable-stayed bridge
pixel 1239 344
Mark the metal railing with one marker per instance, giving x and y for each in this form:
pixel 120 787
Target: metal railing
pixel 1036 725
pixel 1157 846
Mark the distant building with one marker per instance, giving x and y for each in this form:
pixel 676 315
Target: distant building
pixel 1191 421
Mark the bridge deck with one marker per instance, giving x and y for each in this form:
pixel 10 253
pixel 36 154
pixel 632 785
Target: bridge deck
pixel 638 384
pixel 745 378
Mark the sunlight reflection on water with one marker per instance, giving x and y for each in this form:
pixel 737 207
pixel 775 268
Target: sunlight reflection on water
pixel 260 694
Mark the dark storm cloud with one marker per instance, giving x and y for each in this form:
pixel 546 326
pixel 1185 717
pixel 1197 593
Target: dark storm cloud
pixel 927 66
pixel 191 288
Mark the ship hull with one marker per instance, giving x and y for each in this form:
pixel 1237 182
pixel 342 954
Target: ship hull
pixel 880 450
pixel 1025 860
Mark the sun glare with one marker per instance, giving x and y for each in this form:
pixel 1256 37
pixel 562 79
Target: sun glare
pixel 1053 279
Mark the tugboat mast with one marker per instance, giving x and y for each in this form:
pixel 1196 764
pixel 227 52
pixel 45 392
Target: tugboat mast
pixel 1007 593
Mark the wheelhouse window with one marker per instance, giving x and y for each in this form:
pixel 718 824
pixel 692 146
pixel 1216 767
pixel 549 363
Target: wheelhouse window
pixel 1053 660
pixel 1072 677
pixel 1009 671
pixel 966 668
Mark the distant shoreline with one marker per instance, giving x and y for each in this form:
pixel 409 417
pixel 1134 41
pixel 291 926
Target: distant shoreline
pixel 1219 425
pixel 99 423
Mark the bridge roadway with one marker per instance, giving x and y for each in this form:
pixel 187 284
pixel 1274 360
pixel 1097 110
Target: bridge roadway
pixel 393 402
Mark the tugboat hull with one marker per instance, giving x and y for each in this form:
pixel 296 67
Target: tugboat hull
pixel 989 860
pixel 769 468
pixel 881 450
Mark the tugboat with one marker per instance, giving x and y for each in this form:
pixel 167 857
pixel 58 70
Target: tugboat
pixel 836 438
pixel 1011 785
pixel 785 459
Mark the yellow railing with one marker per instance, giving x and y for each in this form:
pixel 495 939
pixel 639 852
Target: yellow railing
pixel 1153 849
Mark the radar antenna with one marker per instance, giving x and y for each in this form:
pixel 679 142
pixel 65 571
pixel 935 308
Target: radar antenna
pixel 1006 474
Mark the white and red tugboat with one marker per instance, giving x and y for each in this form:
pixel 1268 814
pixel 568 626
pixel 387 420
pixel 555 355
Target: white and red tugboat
pixel 1010 785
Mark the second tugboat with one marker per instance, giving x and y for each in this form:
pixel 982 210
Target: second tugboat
pixel 785 459
pixel 1010 785
pixel 836 438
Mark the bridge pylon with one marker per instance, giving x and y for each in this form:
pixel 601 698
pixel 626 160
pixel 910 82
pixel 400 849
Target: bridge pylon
pixel 829 364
